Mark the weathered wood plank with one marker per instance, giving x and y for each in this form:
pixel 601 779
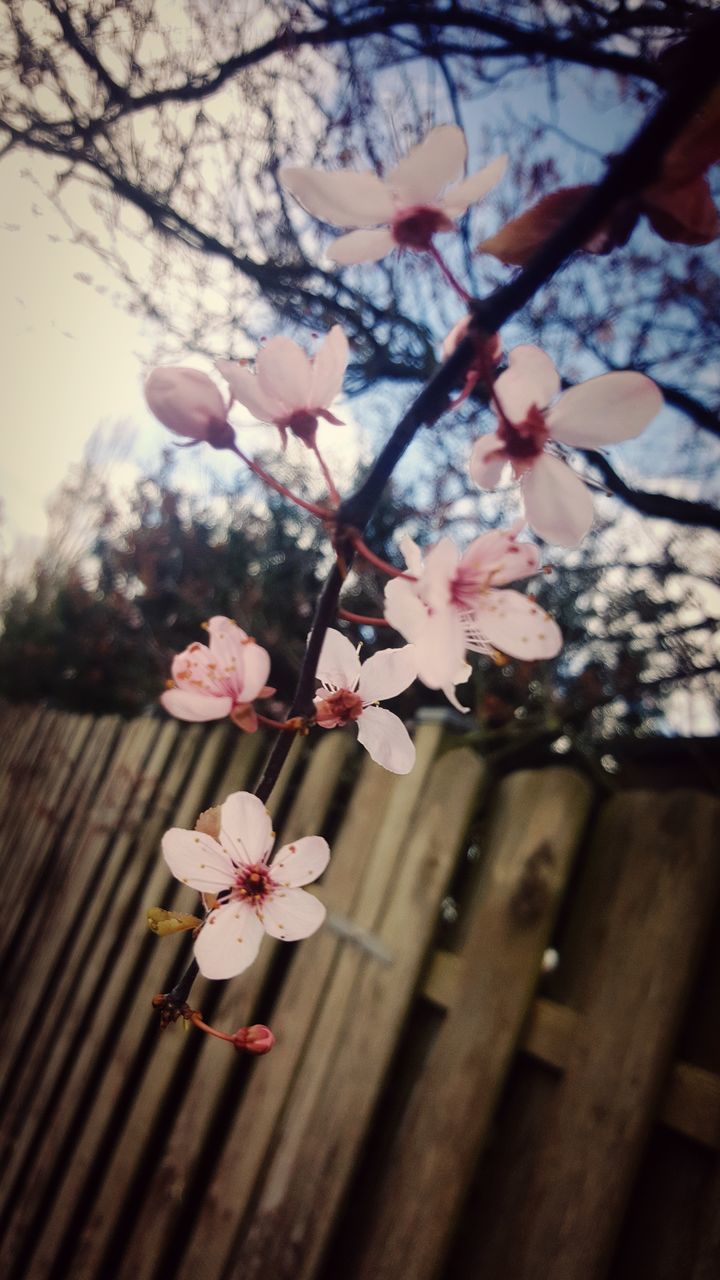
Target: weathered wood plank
pixel 356 1033
pixel 145 1064
pixel 538 821
pixel 665 890
pixel 379 801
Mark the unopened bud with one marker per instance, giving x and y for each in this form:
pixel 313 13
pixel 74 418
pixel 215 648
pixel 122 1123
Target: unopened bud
pixel 257 1039
pixel 188 402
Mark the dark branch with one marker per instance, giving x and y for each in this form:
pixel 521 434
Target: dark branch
pixel 660 505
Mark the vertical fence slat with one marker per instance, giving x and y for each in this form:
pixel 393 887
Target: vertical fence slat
pixel 665 890
pixel 538 821
pixel 356 1033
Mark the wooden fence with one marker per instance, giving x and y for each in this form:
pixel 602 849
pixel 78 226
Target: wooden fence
pixel 443 1110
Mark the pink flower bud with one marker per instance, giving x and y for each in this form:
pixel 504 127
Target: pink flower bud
pixel 257 1039
pixel 188 402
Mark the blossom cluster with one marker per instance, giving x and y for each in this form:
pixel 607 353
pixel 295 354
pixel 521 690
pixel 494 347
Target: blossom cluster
pixel 445 604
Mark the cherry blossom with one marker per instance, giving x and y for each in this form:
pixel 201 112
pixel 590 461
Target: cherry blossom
pixel 602 411
pixel 289 388
pixel 454 604
pixel 220 679
pixel 406 209
pixel 188 402
pixel 252 896
pixel 349 692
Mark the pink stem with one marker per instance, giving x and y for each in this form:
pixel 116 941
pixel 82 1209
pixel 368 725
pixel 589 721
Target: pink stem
pixel 377 561
pixel 321 512
pixel 460 290
pixel 362 619
pixel 332 491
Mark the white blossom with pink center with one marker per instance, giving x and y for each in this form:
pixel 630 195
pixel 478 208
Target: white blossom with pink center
pixel 219 679
pixel 188 403
pixel 602 411
pixel 349 691
pixel 289 388
pixel 406 209
pixel 455 604
pixel 252 895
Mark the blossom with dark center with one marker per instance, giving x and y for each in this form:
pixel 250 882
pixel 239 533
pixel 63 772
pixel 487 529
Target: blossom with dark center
pixel 252 895
pixel 220 679
pixel 349 692
pixel 406 209
pixel 602 411
pixel 290 389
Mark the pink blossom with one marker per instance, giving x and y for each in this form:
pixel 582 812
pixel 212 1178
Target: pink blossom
pixel 349 692
pixel 289 388
pixel 252 895
pixel 220 679
pixel 454 604
pixel 406 209
pixel 602 411
pixel 188 402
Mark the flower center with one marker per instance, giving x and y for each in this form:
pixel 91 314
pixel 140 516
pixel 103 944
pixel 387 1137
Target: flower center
pixel 339 708
pixel 253 883
pixel 524 441
pixel 414 227
pixel 303 424
pixel 467 586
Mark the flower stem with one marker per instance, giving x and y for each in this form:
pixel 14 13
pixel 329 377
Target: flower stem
pixel 295 725
pixel 377 561
pixel 321 512
pixel 452 280
pixel 361 619
pixel 332 491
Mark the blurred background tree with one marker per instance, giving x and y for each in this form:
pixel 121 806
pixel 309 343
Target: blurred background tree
pixel 158 128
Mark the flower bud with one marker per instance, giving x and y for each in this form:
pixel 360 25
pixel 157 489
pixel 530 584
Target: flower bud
pixel 164 922
pixel 188 402
pixel 257 1039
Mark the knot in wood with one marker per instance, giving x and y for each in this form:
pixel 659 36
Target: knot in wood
pixel 532 896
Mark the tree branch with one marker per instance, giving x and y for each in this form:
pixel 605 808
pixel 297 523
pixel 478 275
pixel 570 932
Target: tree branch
pixel 661 505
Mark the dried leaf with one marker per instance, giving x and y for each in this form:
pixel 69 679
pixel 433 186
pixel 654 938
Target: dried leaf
pixel 685 214
pixel 517 241
pixel 698 146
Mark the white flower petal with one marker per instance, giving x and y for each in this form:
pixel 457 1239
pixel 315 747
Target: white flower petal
pixel 604 410
pixel 387 674
pixel 501 556
pixel 361 246
pixel 558 505
pixel 441 563
pixel 530 379
pixel 228 941
pixel 487 461
pixel 245 827
pixel 246 389
pixel 516 625
pixel 411 554
pixel 284 372
pixel 292 914
pixel 339 665
pixel 189 704
pixel 404 610
pixel 344 199
pixel 440 648
pixel 386 740
pixel 197 860
pixel 300 862
pixel 474 188
pixel 463 674
pixel 428 168
pixel 328 369
pixel 257 670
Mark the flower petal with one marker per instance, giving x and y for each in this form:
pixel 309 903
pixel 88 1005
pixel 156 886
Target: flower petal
pixel 301 862
pixel 461 675
pixel 530 379
pixel 328 368
pixel 404 610
pixel 604 410
pixel 361 246
pixel 344 199
pixel 284 373
pixel 339 665
pixel 441 563
pixel 516 625
pixel 438 160
pixel 487 459
pixel 411 554
pixel 558 505
pixel 257 670
pixel 197 860
pixel 387 674
pixel 474 188
pixel 246 389
pixel 228 941
pixel 292 914
pixel 437 637
pixel 501 556
pixel 189 704
pixel 386 739
pixel 245 827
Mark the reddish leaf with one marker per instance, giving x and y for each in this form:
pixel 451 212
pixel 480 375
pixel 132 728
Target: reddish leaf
pixel 684 214
pixel 516 242
pixel 697 148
